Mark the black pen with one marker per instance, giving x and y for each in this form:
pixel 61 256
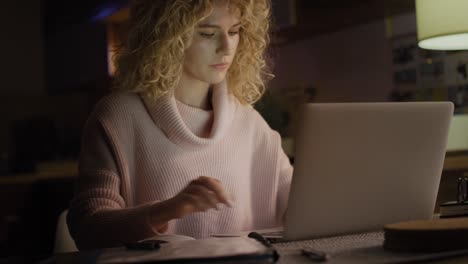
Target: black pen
pixel 315 254
pixel 260 239
pixel 265 242
pixel 145 245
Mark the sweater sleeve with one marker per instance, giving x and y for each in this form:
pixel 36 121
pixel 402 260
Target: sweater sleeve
pixel 284 182
pixel 284 169
pixel 98 214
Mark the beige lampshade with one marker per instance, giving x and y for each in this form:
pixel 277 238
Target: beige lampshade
pixel 442 24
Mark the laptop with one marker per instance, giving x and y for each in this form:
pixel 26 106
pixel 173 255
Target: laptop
pixel 359 166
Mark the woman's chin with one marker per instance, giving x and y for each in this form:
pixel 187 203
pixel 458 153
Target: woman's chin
pixel 216 80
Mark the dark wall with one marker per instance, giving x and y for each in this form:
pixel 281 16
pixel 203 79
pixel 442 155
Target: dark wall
pixel 21 46
pixel 42 118
pixel 76 57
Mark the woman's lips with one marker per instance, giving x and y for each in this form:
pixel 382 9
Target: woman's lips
pixel 220 66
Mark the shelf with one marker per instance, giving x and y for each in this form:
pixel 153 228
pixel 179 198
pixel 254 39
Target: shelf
pixel 456 163
pixel 45 171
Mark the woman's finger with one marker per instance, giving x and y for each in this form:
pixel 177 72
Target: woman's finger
pixel 203 193
pixel 216 186
pixel 194 203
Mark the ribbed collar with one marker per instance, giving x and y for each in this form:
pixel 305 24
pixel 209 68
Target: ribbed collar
pixel 166 115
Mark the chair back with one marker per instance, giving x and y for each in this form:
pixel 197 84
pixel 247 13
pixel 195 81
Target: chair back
pixel 63 240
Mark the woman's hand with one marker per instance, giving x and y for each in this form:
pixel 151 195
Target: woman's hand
pixel 199 195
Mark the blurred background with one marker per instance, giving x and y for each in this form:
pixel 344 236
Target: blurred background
pixel 56 63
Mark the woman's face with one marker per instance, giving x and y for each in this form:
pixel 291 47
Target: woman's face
pixel 213 45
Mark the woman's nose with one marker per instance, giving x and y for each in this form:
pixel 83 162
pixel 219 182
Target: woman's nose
pixel 226 44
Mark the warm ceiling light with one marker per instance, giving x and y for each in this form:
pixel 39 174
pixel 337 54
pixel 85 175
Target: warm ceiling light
pixel 442 24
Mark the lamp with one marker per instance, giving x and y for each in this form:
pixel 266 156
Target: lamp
pixel 442 24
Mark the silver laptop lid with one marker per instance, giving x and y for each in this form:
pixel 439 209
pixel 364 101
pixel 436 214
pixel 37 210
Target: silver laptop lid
pixel 360 166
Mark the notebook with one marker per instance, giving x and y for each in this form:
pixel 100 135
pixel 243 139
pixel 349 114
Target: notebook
pixel 360 166
pixel 209 250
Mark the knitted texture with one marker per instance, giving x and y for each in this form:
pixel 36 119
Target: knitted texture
pixel 136 152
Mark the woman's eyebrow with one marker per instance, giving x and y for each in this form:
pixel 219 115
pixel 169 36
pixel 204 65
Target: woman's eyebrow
pixel 216 26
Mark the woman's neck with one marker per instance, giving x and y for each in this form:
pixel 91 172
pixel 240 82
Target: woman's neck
pixel 194 93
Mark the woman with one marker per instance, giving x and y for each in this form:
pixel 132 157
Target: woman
pixel 179 149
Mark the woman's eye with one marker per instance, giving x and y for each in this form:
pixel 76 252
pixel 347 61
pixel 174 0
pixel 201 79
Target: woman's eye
pixel 207 35
pixel 232 33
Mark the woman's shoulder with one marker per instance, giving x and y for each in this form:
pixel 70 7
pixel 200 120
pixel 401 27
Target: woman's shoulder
pixel 117 104
pixel 122 99
pixel 250 116
pixel 247 111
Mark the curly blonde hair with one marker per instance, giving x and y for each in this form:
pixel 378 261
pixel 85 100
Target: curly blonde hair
pixel 151 61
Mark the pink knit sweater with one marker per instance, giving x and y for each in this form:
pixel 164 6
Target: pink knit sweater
pixel 136 152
